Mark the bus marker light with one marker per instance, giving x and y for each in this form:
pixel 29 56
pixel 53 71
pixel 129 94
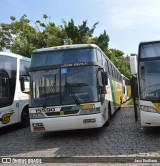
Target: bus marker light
pixel 38 127
pixel 87 106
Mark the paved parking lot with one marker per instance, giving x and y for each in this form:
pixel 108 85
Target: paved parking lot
pixel 122 138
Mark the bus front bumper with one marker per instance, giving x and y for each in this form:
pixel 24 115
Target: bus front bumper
pixel 67 123
pixel 149 118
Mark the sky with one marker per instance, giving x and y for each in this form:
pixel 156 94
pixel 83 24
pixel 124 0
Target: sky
pixel 127 22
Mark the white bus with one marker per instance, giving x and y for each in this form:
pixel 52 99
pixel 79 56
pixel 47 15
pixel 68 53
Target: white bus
pixel 126 88
pixel 13 103
pixel 72 87
pixel 148 73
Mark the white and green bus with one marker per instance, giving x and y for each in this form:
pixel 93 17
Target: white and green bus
pixel 126 88
pixel 13 102
pixel 72 87
pixel 146 67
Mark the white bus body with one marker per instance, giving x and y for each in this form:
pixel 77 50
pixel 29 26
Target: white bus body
pixel 72 87
pixel 13 103
pixel 146 67
pixel 126 88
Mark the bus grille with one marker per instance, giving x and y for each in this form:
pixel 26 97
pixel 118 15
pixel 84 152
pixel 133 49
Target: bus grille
pixel 62 113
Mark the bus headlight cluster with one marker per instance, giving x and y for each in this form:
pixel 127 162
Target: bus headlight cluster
pixel 36 115
pixel 148 109
pixel 89 111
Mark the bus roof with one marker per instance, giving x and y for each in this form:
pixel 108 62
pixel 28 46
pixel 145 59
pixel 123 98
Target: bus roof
pixel 14 55
pixel 149 42
pixel 65 47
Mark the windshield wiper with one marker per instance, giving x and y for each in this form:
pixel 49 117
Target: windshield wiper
pixel 68 85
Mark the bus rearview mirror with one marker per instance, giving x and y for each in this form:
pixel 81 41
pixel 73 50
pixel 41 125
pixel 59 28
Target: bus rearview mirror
pixel 133 65
pixel 105 78
pixel 24 82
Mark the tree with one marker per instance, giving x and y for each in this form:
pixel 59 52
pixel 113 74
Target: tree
pixel 5 36
pixel 54 36
pixel 22 38
pixel 78 34
pixel 102 41
pixel 117 53
pixel 18 36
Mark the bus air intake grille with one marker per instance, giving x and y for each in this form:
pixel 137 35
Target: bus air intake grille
pixel 62 113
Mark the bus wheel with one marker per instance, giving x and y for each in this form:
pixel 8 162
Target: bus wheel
pixel 121 101
pixel 25 118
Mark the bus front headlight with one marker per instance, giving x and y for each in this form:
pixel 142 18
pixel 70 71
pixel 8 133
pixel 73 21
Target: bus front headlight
pixel 148 109
pixel 89 111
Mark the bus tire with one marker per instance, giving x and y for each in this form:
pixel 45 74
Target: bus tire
pixel 25 118
pixel 121 100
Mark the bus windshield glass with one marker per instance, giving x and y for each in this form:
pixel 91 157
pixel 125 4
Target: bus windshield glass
pixel 7 80
pixel 149 79
pixel 82 83
pixel 63 86
pixel 57 57
pixel 150 50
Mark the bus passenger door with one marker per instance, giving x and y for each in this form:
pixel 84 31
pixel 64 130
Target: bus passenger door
pixel 7 112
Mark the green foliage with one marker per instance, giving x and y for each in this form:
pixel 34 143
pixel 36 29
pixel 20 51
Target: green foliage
pixel 45 16
pixel 24 35
pixel 5 36
pixel 80 34
pixel 117 53
pixel 121 62
pixel 102 41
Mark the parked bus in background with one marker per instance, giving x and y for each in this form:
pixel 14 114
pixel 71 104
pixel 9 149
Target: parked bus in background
pixel 148 72
pixel 72 87
pixel 126 88
pixel 13 103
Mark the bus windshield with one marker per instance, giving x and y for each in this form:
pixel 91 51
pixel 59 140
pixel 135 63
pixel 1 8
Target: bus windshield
pixel 149 72
pixel 7 80
pixel 57 57
pixel 62 86
pixel 150 50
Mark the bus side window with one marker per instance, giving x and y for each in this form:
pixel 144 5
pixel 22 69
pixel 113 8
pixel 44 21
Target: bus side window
pixel 99 56
pixel 4 86
pixel 116 75
pixel 24 66
pixel 109 67
pixel 106 66
pixel 112 71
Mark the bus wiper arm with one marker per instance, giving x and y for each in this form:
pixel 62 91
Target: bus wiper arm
pixel 68 85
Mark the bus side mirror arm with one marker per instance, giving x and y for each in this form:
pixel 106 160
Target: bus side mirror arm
pixel 103 90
